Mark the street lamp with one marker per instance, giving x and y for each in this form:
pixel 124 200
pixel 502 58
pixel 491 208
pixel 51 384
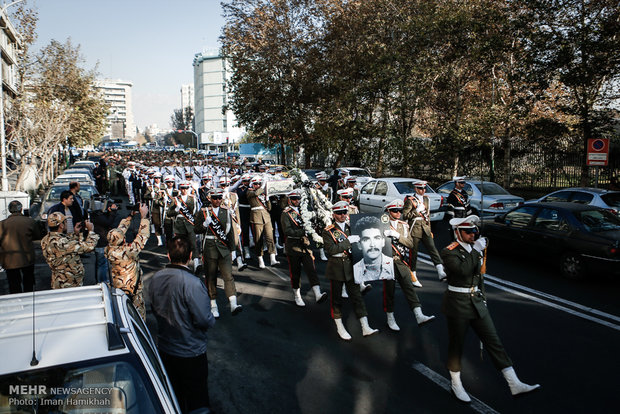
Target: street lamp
pixel 5 180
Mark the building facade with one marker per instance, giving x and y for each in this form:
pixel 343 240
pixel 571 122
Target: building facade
pixel 9 45
pixel 215 128
pixel 117 93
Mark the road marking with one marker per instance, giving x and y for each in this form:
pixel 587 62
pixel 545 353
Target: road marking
pixel 545 299
pixel 279 273
pixel 476 405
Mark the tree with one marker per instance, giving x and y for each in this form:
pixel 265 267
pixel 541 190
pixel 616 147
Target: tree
pixel 176 119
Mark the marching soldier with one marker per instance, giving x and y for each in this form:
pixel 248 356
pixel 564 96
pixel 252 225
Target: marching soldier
pixel 337 239
pixel 297 248
pixel 458 200
pixel 323 186
pixel 464 304
pixel 183 208
pixel 351 181
pixel 241 189
pixel 401 245
pixel 262 228
pixel 151 196
pixel 124 259
pixel 216 223
pixel 165 200
pixel 62 251
pixel 231 202
pixel 416 211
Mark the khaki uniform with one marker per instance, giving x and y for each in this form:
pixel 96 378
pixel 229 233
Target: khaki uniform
pixel 184 224
pixel 152 197
pixel 463 310
pixel 124 261
pixel 261 221
pixel 339 270
pixel 402 272
pixel 62 253
pixel 297 248
pixel 219 241
pixel 420 229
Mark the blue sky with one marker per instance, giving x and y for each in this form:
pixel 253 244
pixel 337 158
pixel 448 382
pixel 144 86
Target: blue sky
pixel 149 42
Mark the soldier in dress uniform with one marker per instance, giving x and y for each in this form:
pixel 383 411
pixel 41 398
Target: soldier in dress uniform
pixel 241 188
pixel 337 239
pixel 151 195
pixel 124 259
pixel 262 228
pixel 323 186
pixel 464 304
pixel 205 188
pixel 351 181
pixel 62 251
pixel 231 202
pixel 165 200
pixel 416 210
pixel 401 245
pixel 183 208
pixel 297 248
pixel 216 223
pixel 458 200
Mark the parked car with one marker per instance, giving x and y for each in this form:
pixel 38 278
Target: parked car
pixel 311 173
pixel 89 194
pixel 91 352
pixel 362 175
pixel 495 198
pixel 83 179
pixel 78 170
pixel 380 191
pixel 577 236
pixel 599 197
pixel 91 165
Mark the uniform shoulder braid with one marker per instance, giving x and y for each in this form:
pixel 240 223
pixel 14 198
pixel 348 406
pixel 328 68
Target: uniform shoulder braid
pixel 452 245
pixel 331 226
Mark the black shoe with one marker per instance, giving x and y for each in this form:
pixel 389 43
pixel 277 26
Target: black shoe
pixel 198 270
pixel 242 268
pixel 237 310
pixel 367 289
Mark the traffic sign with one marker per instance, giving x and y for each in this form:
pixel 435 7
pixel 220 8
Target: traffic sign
pixel 598 152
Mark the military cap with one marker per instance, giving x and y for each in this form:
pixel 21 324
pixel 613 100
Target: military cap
pixel 351 179
pixel 294 193
pixel 224 180
pixel 465 222
pixel 169 179
pixel 459 179
pixel 396 204
pixel 257 179
pixel 420 184
pixel 216 192
pixel 345 192
pixel 157 175
pixel 184 184
pixel 339 206
pixel 54 219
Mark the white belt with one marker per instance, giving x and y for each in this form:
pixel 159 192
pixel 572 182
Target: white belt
pixel 338 255
pixel 210 237
pixel 257 208
pixel 244 205
pixel 457 289
pixel 459 208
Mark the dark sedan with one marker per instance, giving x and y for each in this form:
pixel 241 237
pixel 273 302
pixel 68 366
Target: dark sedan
pixel 581 238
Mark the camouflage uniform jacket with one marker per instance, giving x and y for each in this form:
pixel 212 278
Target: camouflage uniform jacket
pixel 62 253
pixel 125 262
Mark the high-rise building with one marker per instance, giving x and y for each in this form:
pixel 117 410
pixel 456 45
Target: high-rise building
pixel 187 96
pixel 214 127
pixel 117 94
pixel 9 45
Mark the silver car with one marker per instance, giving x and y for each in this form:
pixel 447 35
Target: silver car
pixel 485 196
pixel 380 191
pixel 599 197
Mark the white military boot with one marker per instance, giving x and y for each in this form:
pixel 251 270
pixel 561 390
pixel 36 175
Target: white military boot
pixel 441 272
pixel 415 280
pixel 273 259
pixel 366 329
pixel 320 296
pixel 196 263
pixel 322 254
pixel 152 228
pixel 214 310
pixel 420 317
pixel 261 262
pixel 246 252
pixel 457 387
pixel 298 300
pixel 516 386
pixel 159 241
pixel 234 308
pixel 344 292
pixel 240 265
pixel 391 321
pixel 342 332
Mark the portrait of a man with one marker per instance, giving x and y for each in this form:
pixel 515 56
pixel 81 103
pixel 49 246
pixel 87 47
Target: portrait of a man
pixel 372 252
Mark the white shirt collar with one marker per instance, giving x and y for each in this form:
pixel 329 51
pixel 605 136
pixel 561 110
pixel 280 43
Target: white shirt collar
pixel 341 225
pixel 466 246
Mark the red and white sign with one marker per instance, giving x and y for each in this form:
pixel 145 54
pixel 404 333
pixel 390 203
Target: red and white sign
pixel 598 152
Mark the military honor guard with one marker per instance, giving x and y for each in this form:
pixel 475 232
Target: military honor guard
pixel 458 200
pixel 183 208
pixel 241 188
pixel 416 210
pixel 337 239
pixel 465 305
pixel 151 195
pixel 297 248
pixel 165 200
pixel 260 219
pixel 231 202
pixel 401 245
pixel 216 223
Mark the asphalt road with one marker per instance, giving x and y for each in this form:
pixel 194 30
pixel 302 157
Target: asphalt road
pixel 275 357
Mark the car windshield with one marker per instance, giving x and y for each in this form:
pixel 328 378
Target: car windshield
pixel 86 192
pixel 406 187
pixel 86 387
pixel 599 220
pixel 360 173
pixel 491 189
pixel 612 199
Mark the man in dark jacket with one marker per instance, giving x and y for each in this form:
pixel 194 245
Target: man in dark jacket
pixel 104 221
pixel 17 233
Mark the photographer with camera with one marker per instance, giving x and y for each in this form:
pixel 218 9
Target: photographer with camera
pixel 124 258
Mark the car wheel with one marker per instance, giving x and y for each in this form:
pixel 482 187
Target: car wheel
pixel 572 266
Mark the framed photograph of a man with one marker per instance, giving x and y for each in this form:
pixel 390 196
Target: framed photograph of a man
pixel 372 250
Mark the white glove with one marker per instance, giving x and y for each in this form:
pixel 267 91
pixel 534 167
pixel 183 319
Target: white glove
pixel 480 244
pixel 391 233
pixel 206 223
pixel 354 238
pixel 177 208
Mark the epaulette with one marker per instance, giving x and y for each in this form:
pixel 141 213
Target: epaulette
pixel 224 207
pixel 403 222
pixel 452 245
pixel 287 208
pixel 331 226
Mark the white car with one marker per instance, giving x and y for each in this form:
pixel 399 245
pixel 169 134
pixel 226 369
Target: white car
pixel 487 197
pixel 599 197
pixel 380 191
pixel 79 350
pixel 362 175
